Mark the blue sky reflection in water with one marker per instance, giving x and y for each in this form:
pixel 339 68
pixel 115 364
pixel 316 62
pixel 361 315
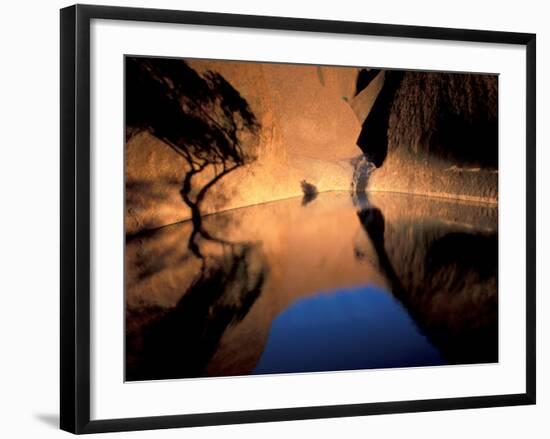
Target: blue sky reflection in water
pixel 355 328
pixel 354 299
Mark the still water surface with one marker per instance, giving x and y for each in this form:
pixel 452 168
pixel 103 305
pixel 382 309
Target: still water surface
pixel 357 328
pixel 338 282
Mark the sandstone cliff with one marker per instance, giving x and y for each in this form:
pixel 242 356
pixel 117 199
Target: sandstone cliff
pixel 435 134
pixel 305 130
pixel 207 136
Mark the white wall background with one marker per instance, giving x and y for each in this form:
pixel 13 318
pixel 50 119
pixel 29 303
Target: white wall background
pixel 29 206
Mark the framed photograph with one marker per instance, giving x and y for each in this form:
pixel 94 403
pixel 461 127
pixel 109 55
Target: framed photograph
pixel 268 218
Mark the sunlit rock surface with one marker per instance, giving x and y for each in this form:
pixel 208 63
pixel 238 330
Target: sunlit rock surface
pixel 306 131
pixel 212 315
pixel 425 133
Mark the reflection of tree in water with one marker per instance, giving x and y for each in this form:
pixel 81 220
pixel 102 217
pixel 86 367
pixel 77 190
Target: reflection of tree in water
pixel 181 343
pixel 206 121
pixel 450 292
pixel 201 117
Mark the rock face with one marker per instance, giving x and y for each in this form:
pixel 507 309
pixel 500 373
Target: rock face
pixel 435 134
pixel 207 136
pixel 304 129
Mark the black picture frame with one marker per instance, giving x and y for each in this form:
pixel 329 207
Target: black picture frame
pixel 75 217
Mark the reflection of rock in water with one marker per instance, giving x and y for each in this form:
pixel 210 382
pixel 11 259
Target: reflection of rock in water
pixel 184 322
pixel 181 342
pixel 161 271
pixel 446 276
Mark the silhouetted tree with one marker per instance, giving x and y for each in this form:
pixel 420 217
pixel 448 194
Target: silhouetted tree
pixel 201 117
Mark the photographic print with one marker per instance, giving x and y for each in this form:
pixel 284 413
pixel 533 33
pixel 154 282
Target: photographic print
pixel 284 218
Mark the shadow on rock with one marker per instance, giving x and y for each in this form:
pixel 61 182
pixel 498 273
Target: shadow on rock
pixel 203 118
